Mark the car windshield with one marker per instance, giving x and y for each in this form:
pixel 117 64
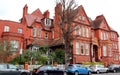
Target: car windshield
pixel 75 65
pixel 46 68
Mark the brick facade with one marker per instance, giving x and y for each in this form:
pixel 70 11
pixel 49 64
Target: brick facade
pixel 96 40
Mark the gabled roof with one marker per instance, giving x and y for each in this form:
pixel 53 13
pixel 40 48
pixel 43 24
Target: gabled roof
pixel 30 19
pixel 98 22
pixel 36 16
pixel 81 8
pixel 38 13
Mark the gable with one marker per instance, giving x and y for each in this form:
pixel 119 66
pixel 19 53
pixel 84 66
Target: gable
pixel 82 17
pixel 104 25
pixel 37 13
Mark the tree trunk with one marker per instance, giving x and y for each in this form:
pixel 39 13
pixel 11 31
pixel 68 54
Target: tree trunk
pixel 68 53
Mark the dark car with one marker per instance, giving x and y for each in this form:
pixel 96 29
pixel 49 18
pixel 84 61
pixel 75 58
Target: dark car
pixel 10 69
pixel 77 69
pixel 114 68
pixel 48 70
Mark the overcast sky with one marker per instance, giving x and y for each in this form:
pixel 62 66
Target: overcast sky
pixel 12 9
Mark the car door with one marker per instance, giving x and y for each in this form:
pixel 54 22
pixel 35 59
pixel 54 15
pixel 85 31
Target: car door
pixel 82 69
pixel 102 68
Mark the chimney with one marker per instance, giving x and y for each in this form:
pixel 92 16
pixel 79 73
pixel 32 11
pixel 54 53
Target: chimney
pixel 25 12
pixel 46 14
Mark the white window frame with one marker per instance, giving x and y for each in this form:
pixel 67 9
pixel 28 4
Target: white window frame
pixel 14 45
pixel 39 32
pixel 80 30
pixel 82 48
pixel 77 48
pixel 77 30
pixel 47 22
pixel 19 30
pixel 6 28
pixel 87 32
pixel 34 31
pixel 110 51
pixel 104 50
pixel 87 49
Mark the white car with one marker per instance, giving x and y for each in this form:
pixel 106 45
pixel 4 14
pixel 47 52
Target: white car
pixel 13 69
pixel 99 68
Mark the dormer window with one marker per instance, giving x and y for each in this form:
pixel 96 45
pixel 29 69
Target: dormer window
pixel 47 22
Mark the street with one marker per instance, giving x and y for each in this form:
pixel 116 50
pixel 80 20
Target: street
pixel 108 74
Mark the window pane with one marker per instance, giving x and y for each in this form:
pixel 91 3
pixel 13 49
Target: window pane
pixel 77 48
pixel 19 30
pixel 6 29
pixel 14 45
pixel 87 49
pixel 104 51
pixel 39 32
pixel 82 48
pixel 34 31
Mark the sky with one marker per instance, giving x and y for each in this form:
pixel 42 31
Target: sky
pixel 12 9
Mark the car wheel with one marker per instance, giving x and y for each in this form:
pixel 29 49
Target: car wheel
pixel 89 73
pixel 24 73
pixel 98 72
pixel 45 73
pixel 76 73
pixel 114 71
pixel 65 73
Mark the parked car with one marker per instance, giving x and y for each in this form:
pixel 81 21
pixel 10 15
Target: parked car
pixel 48 70
pixel 77 69
pixel 114 68
pixel 98 68
pixel 10 68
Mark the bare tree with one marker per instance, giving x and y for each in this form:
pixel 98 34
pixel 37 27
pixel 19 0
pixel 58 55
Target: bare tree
pixel 65 13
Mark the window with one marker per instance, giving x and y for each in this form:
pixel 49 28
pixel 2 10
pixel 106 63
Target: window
pixel 104 50
pixel 53 34
pixel 6 29
pixel 83 31
pixel 110 50
pixel 101 35
pixel 47 22
pixel 80 31
pixel 19 30
pixel 34 31
pixel 92 34
pixel 82 48
pixel 12 66
pixel 46 35
pixel 87 32
pixel 82 18
pixel 3 66
pixel 14 45
pixel 87 49
pixel 77 30
pixel 116 57
pixel 77 48
pixel 39 32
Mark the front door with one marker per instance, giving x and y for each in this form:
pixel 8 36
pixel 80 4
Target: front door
pixel 95 53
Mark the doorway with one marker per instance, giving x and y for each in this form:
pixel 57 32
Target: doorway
pixel 95 53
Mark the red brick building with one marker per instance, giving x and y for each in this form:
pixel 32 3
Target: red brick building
pixel 96 40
